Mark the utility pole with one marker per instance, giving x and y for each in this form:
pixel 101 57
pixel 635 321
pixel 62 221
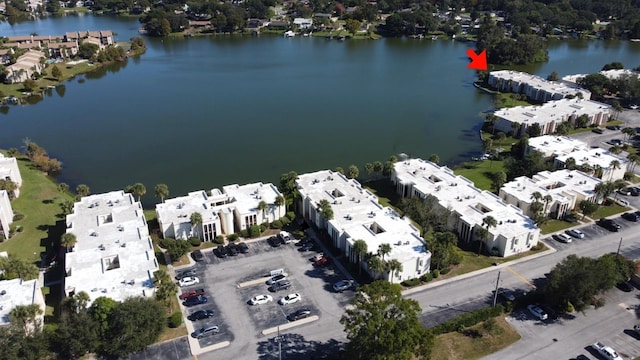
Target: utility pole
pixel 495 294
pixel 279 340
pixel 619 245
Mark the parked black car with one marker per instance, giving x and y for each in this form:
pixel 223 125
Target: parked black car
pixel 195 301
pixel 221 251
pixel 200 314
pixel 197 255
pixel 243 248
pixel 302 241
pixel 609 224
pixel 190 272
pixel 624 286
pixel 307 246
pixel 232 249
pixel 274 241
pixel 631 216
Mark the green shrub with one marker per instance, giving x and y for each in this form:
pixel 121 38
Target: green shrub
pixel 2 238
pixel 298 234
pixel 166 243
pixel 445 271
pixel 175 319
pixel 254 231
pixel 285 221
pixel 435 273
pixel 218 239
pixel 426 277
pixel 19 228
pixel 276 224
pixel 411 282
pixel 570 308
pixel 468 319
pixel 291 215
pixel 232 237
pixel 244 233
pixel 194 241
pixel 17 216
pixel 537 246
pixel 264 227
pixel 179 248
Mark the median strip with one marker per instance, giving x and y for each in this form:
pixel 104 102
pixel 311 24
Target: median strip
pixel 290 325
pixel 255 282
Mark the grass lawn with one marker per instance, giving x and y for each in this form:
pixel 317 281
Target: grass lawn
pixel 554 225
pixel 68 71
pixel 472 344
pixel 480 172
pixel 43 222
pixel 506 100
pixel 504 144
pixel 608 210
pixel 385 191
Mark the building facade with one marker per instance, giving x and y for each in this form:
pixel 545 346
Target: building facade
pixel 534 87
pixel 6 214
pixel 18 292
pixel 560 191
pixel 9 170
pixel 357 215
pixel 236 208
pixel 469 207
pixel 114 255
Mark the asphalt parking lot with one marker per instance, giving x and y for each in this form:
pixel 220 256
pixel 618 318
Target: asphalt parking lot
pixel 221 278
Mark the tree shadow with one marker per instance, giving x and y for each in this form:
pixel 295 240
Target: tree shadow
pixel 295 346
pixel 48 201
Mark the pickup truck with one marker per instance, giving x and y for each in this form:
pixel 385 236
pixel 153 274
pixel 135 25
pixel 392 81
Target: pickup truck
pixel 607 352
pixel 191 293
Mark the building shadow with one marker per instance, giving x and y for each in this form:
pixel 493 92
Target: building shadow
pixel 296 347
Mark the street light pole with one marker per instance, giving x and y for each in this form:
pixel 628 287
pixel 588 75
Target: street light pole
pixel 279 344
pixel 495 294
pixel 619 245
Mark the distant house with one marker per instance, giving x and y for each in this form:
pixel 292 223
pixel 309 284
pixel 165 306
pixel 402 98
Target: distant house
pixel 255 23
pixel 278 24
pixel 5 56
pixel 200 24
pixel 62 50
pixel 303 23
pixel 25 66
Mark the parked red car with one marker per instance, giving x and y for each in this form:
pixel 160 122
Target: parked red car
pixel 323 261
pixel 191 294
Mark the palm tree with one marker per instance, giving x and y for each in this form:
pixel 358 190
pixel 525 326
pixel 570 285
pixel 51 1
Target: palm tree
pixel 324 207
pixel 82 190
pixel 368 167
pixel 279 201
pixel 384 249
pixel 360 248
pixel 353 172
pixel 547 199
pixel 196 220
pixel 63 187
pixel 394 267
pixel 586 168
pixel 615 165
pixel 262 207
pixel 634 160
pixel 26 315
pixel 570 163
pixel 598 171
pixel 68 240
pixel 10 187
pixel 161 191
pixel 434 158
pixel 619 185
pixel 375 266
pixel 139 190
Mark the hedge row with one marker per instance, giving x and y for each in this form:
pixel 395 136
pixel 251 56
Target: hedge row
pixel 468 319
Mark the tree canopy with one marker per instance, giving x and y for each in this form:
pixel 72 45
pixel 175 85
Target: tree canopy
pixel 382 325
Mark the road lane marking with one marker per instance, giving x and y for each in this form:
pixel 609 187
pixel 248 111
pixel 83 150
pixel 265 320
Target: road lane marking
pixel 525 280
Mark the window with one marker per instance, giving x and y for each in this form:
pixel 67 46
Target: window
pixel 251 220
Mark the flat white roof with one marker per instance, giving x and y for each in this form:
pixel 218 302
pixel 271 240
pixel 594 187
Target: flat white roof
pixel 558 110
pixel 555 145
pixel 246 197
pixel 555 183
pixel 17 292
pixel 593 157
pixel 9 168
pixel 357 213
pixel 538 82
pixel 179 209
pixel 610 74
pixel 114 254
pixel 459 194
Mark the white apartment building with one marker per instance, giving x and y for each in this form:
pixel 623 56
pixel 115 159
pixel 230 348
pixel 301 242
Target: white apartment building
pixel 565 189
pixel 533 86
pixel 357 215
pixel 113 256
pixel 223 212
pixel 18 292
pixel 552 145
pixel 596 159
pixel 6 214
pixel 610 74
pixel 514 233
pixel 26 65
pixel 551 114
pixel 9 171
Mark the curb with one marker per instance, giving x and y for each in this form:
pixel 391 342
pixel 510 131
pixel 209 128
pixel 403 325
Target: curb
pixel 290 325
pixel 213 347
pixel 255 282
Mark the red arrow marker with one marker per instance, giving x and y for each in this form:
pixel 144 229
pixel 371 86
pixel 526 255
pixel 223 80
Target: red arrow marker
pixel 478 61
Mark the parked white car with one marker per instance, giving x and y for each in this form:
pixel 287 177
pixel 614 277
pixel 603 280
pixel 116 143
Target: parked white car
pixel 188 281
pixel 607 352
pixel 290 299
pixel 537 312
pixel 575 233
pixel 260 299
pixel 563 238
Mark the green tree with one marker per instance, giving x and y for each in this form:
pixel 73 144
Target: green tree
pixel 353 172
pixel 138 189
pixel 288 187
pixel 68 241
pixel 359 248
pixel 87 50
pixel 553 76
pixel 443 249
pixel 10 187
pixel 30 85
pixel 352 26
pixel 394 267
pixel 100 311
pixel 67 207
pixel 339 169
pixel 384 249
pixel 498 179
pixel 381 324
pixel 196 221
pixel 434 158
pixel 262 207
pixel 14 268
pixel 376 266
pixel 82 190
pixel 279 201
pixel 161 191
pixel 165 288
pixel 378 167
pixel 325 209
pixel 134 324
pixel 368 168
pixel 55 72
pixel 63 187
pixel 27 317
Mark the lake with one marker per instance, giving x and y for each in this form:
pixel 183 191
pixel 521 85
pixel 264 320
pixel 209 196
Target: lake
pixel 204 112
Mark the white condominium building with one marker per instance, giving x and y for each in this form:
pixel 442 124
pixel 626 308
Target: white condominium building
pixel 533 86
pixel 235 209
pixel 357 215
pixel 552 145
pixel 6 214
pixel 560 191
pixel 114 255
pixel 610 74
pixel 469 206
pixel 18 292
pixel 9 171
pixel 551 114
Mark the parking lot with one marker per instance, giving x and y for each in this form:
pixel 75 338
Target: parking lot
pixel 230 282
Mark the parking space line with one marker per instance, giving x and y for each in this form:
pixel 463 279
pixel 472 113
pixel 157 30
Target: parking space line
pixel 525 280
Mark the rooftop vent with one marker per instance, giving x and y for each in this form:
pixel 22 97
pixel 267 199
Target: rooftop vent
pixel 3 292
